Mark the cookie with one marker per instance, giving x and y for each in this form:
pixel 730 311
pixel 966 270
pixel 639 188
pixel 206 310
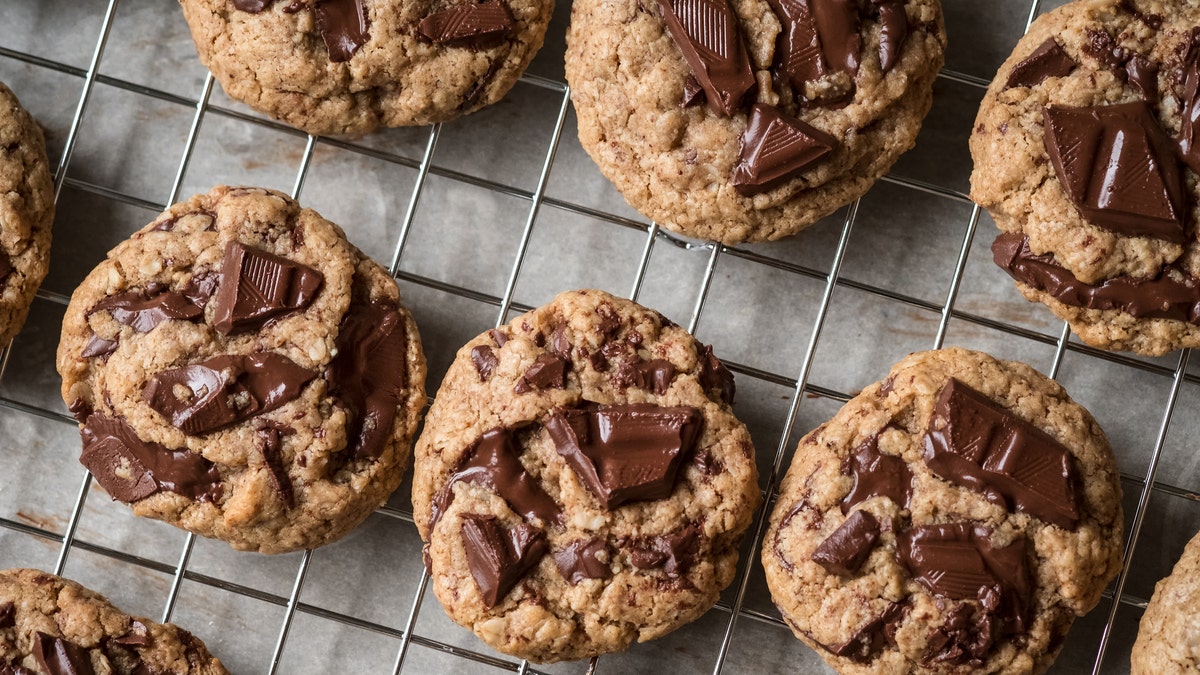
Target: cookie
pixel 1168 640
pixel 581 481
pixel 1086 149
pixel 749 120
pixel 346 67
pixel 240 370
pixel 955 517
pixel 53 625
pixel 26 213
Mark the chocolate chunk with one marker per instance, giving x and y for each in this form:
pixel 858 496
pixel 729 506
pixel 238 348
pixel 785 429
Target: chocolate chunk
pixel 547 372
pixel 844 551
pixel 654 375
pixel 8 615
pixel 776 148
pixel 868 640
pixel 257 286
pixel 1143 75
pixel 493 461
pixel 715 376
pixel 131 469
pixel 201 287
pixel 252 6
pixel 693 93
pixel 1118 168
pixel 962 639
pixel 498 336
pixel 143 310
pixel 225 390
pixel 369 373
pixel 98 346
pixel 675 552
pixel 80 410
pixel 1048 60
pixel 475 25
pixel 583 559
pixel 344 27
pixel 1151 20
pixel 138 635
pixel 877 475
pixel 6 267
pixel 499 557
pixel 485 362
pixel 975 443
pixel 58 657
pixel 709 37
pixel 625 453
pixel 837 26
pixel 1189 106
pixel 798 55
pixel 893 31
pixel 559 343
pixel 270 444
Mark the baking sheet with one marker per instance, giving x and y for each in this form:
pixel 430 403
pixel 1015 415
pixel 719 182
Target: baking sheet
pixel 510 211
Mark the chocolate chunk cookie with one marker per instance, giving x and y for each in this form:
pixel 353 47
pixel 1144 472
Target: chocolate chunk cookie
pixel 1168 641
pixel 1086 153
pixel 240 370
pixel 50 625
pixel 749 120
pixel 955 517
pixel 350 66
pixel 581 481
pixel 26 213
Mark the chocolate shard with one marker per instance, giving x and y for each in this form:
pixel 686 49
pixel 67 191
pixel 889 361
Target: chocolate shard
pixel 798 55
pixel 548 371
pixel 893 31
pixel 493 460
pixel 1048 60
pixel 252 6
pixel 877 475
pixel 225 390
pixel 257 286
pixel 499 557
pixel 80 410
pixel 868 641
pixel 963 638
pixel 270 445
pixel 498 337
pixel 485 362
pixel 138 635
pixel 714 376
pixel 708 35
pixel 675 552
pixel 975 443
pixel 627 452
pixel 560 344
pixel 131 469
pixel 8 615
pixel 693 94
pixel 1119 169
pixel 56 656
pixel 654 375
pixel 837 26
pixel 98 346
pixel 476 25
pixel 776 148
pixel 1189 106
pixel 1143 75
pixel 143 310
pixel 844 551
pixel 370 373
pixel 344 27
pixel 583 559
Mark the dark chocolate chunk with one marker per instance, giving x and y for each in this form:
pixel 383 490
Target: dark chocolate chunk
pixel 143 310
pixel 625 453
pixel 559 344
pixel 1151 20
pixel 252 6
pixel 257 286
pixel 369 373
pixel 1189 106
pixel 654 375
pixel 868 640
pixel 270 444
pixel 130 469
pixel 798 55
pixel 138 635
pixel 80 410
pixel 693 93
pixel 877 475
pixel 708 35
pixel 344 27
pixel 837 26
pixel 715 376
pixel 1143 75
pixel 1118 168
pixel 547 372
pixel 58 657
pixel 6 267
pixel 499 557
pixel 8 615
pixel 493 461
pixel 581 560
pixel 485 362
pixel 98 346
pixel 962 639
pixel 476 25
pixel 893 31
pixel 675 552
pixel 498 336
pixel 975 443
pixel 776 148
pixel 844 551
pixel 1048 60
pixel 201 287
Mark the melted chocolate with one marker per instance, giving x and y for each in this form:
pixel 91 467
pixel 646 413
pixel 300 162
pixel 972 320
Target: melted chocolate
pixel 674 552
pixel 581 559
pixel 893 31
pixel 1143 75
pixel 837 26
pixel 776 148
pixel 624 453
pixel 654 375
pixel 473 25
pixel 877 475
pixel 708 36
pixel 559 343
pixel 256 287
pixel 56 656
pixel 80 410
pixel 344 27
pixel 715 376
pixel 844 551
pixel 1189 106
pixel 867 641
pixel 547 372
pixel 131 469
pixel 485 362
pixel 252 6
pixel 1048 60
pixel 98 346
pixel 798 55
pixel 499 557
pixel 270 444
pixel 143 310
pixel 964 638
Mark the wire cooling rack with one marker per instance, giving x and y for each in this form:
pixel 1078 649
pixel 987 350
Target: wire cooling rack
pixel 485 217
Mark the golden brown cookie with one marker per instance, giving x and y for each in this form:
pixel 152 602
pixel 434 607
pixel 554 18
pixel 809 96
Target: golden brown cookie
pixel 1168 640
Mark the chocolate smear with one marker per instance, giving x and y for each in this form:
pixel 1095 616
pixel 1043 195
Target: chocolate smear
pixel 877 475
pixel 675 552
pixel 1189 106
pixel 583 559
pixel 708 35
pixel 776 148
pixel 475 25
pixel 1119 169
pixel 844 551
pixel 626 452
pixel 98 346
pixel 1048 60
pixel 1143 75
pixel 893 31
pixel 143 310
pixel 837 26
pixel 798 55
pixel 270 444
pixel 344 27
pixel 714 376
pixel 547 372
pixel 58 657
pixel 654 375
pixel 257 286
pixel 499 557
pixel 80 410
pixel 131 469
pixel 485 362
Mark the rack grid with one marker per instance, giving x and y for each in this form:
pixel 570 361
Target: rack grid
pixel 1096 643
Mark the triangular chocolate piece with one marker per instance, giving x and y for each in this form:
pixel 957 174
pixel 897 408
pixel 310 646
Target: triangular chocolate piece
pixel 1048 60
pixel 257 286
pixel 499 557
pixel 343 25
pixel 775 148
pixel 798 55
pixel 468 25
pixel 707 33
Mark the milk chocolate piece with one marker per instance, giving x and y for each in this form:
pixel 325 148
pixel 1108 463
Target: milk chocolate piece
pixel 654 375
pixel 143 310
pixel 225 390
pixel 1118 168
pixel 343 25
pixel 1189 106
pixel 547 372
pixel 98 346
pixel 475 25
pixel 58 657
pixel 893 31
pixel 837 26
pixel 270 444
pixel 499 557
pixel 627 452
pixel 710 39
pixel 798 55
pixel 581 560
pixel 131 469
pixel 252 6
pixel 715 376
pixel 1048 60
pixel 975 443
pixel 485 362
pixel 493 460
pixel 257 286
pixel 776 148
pixel 8 615
pixel 877 475
pixel 844 551
pixel 675 552
pixel 369 373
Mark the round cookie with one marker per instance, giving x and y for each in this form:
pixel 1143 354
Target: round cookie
pixel 242 371
pixel 26 213
pixel 346 67
pixel 955 517
pixel 53 625
pixel 1168 640
pixel 1086 150
pixel 581 481
pixel 720 120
